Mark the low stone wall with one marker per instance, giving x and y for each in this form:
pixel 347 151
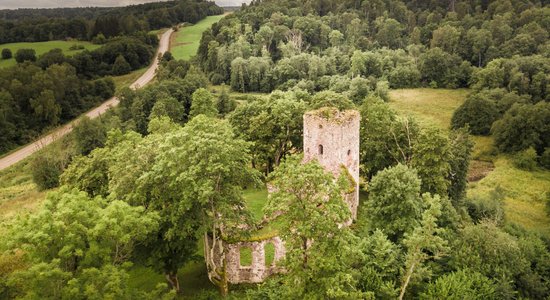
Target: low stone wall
pixel 258 271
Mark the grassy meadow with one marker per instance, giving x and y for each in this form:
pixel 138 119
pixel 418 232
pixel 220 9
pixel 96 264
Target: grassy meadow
pixel 18 192
pixel 525 191
pixel 43 47
pixel 185 42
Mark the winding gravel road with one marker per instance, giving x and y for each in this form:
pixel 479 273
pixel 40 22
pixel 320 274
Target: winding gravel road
pixel 29 149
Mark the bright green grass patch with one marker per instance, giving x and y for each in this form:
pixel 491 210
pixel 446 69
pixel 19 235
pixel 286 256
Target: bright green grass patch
pixel 43 47
pixel 269 254
pixel 484 148
pixel 525 194
pixel 430 106
pixel 256 200
pixel 185 41
pixel 192 277
pixel 245 256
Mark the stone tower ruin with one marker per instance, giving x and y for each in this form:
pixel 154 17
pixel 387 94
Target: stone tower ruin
pixel 332 137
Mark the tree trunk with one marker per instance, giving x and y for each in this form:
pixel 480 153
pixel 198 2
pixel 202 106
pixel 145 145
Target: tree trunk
pixel 172 278
pixel 406 282
pixel 479 60
pixel 223 284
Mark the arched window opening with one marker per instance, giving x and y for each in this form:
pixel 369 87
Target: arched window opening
pixel 269 250
pixel 245 254
pixel 321 149
pixel 349 152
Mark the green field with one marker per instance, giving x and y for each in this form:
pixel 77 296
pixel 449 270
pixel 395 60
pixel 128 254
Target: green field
pixel 525 191
pixel 43 47
pixel 185 42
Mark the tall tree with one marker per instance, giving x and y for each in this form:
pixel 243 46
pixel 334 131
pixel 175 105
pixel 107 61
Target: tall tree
pixel 73 237
pixel 203 103
pixel 394 204
pixel 423 243
pixel 318 250
pixel 204 186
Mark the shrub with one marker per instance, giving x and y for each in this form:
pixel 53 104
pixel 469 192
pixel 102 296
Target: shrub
pixel 76 47
pixel 6 53
pixel 46 169
pixel 480 208
pixel 526 159
pixel 48 165
pixel 478 112
pixel 523 126
pixel 23 55
pixel 167 56
pixel 89 134
pixel 545 159
pixel 462 284
pixel 121 66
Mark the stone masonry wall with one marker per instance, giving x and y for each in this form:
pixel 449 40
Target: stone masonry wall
pixel 258 271
pixel 332 137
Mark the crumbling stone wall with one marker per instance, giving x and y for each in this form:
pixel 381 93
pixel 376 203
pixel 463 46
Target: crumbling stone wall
pixel 257 271
pixel 332 137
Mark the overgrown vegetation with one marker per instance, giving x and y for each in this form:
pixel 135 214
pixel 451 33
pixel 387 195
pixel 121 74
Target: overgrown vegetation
pixel 178 159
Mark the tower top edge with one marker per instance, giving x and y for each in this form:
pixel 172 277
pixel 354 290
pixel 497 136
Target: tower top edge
pixel 333 114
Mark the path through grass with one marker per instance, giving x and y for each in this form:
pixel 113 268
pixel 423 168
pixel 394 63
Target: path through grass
pixel 43 47
pixel 185 42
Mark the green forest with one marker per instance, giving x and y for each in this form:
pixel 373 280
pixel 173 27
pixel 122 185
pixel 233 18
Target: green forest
pixel 41 92
pixel 454 144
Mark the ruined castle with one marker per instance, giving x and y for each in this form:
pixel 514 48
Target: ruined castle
pixel 332 138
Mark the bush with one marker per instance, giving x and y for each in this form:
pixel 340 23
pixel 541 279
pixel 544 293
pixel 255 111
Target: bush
pixel 526 160
pixel 23 55
pixel 48 165
pixel 46 169
pixel 121 66
pixel 523 126
pixel 462 284
pixel 167 56
pixel 405 76
pixel 480 208
pixel 89 134
pixel 77 47
pixel 6 53
pixel 99 39
pixel 545 159
pixel 478 112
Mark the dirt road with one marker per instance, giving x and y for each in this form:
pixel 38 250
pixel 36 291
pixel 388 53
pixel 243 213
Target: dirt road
pixel 29 149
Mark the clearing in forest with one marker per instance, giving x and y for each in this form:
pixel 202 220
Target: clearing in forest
pixel 43 47
pixel 185 42
pixel 525 192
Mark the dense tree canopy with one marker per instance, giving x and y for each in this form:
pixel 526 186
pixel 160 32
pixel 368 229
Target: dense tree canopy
pixel 36 25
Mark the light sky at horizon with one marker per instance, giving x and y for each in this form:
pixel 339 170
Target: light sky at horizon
pixel 14 4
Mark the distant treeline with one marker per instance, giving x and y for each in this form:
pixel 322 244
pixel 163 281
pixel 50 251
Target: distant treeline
pixel 359 48
pixel 32 99
pixel 37 25
pixel 42 92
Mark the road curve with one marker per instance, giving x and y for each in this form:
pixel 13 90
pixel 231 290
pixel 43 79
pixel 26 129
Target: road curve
pixel 29 149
